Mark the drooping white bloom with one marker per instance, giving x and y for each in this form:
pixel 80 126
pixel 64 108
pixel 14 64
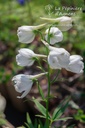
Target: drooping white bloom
pixel 26 57
pixel 55 35
pixel 23 83
pixel 76 65
pixel 58 59
pixel 64 19
pixel 64 22
pixel 26 34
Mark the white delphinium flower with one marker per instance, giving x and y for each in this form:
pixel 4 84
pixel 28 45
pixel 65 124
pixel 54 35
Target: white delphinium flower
pixel 26 57
pixel 26 34
pixel 23 83
pixel 55 35
pixel 76 65
pixel 58 57
pixel 64 22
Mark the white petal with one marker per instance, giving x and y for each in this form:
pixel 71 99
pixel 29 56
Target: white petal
pixel 54 64
pixel 26 37
pixel 72 57
pixel 58 59
pixel 25 34
pixel 26 52
pixel 23 83
pixel 53 40
pixel 75 65
pixel 65 19
pixel 24 61
pixel 25 57
pixel 23 94
pixel 56 35
pixel 64 27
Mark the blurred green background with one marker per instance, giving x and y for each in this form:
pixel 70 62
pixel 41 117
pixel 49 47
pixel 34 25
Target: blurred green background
pixel 14 13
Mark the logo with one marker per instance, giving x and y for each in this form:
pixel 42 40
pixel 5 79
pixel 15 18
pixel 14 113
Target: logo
pixel 49 8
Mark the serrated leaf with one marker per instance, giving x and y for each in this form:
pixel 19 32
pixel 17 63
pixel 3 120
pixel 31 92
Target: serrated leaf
pixel 60 109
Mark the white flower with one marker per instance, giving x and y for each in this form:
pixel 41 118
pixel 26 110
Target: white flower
pixel 26 57
pixel 64 22
pixel 55 35
pixel 58 58
pixel 64 19
pixel 26 34
pixel 76 65
pixel 23 83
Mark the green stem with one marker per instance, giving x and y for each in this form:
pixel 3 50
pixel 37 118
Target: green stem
pixel 40 65
pixel 49 83
pixel 47 103
pixel 37 31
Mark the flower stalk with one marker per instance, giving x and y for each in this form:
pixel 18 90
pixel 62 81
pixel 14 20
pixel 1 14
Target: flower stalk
pixel 55 58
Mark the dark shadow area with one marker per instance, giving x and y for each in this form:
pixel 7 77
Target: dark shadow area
pixel 15 117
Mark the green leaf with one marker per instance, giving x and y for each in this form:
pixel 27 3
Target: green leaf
pixel 40 91
pixel 40 107
pixel 60 109
pixel 73 105
pixel 29 122
pixel 55 76
pixel 64 119
pixel 41 125
pixel 39 67
pixel 35 123
pixel 45 126
pixel 27 125
pixel 41 116
pixel 80 116
pixel 21 127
